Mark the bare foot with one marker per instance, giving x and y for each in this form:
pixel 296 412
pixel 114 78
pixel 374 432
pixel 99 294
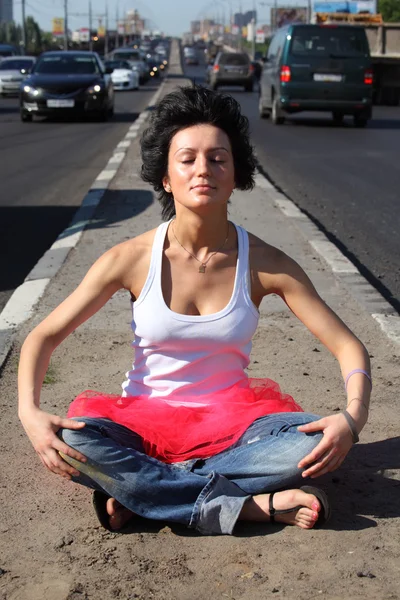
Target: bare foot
pixel 119 515
pixel 257 508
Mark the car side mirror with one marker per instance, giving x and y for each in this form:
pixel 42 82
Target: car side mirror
pixel 109 70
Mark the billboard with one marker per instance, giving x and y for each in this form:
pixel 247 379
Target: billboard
pixel 345 6
pixel 57 27
pixel 290 14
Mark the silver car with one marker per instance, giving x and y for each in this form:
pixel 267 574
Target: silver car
pixel 13 71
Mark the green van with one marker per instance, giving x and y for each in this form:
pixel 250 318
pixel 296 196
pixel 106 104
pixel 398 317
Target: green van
pixel 317 67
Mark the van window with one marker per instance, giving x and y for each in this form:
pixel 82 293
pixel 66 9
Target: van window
pixel 234 59
pixel 332 41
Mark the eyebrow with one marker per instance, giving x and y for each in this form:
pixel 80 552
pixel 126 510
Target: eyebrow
pixel 208 150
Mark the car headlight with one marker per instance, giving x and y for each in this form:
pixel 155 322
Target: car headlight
pixel 135 68
pixel 28 89
pixel 95 89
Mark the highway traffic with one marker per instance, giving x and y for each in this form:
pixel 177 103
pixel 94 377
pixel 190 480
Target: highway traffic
pixel 346 179
pixel 46 168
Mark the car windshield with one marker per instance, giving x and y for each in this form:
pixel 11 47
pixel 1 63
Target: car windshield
pixel 329 41
pixel 16 65
pixel 126 55
pixel 234 59
pixel 67 65
pixel 118 64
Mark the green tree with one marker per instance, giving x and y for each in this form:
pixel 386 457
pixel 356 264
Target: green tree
pixel 390 10
pixel 33 36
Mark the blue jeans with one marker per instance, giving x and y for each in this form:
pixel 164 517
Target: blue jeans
pixel 204 494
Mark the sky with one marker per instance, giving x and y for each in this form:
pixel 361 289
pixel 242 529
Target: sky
pixel 169 16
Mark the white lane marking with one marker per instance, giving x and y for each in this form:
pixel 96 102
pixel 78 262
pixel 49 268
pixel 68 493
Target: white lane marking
pixel 134 127
pixel 289 209
pixel 333 256
pixel 131 135
pixel 116 159
pixel 263 182
pixel 69 239
pixel 92 198
pixel 20 306
pixel 124 144
pixel 390 324
pixel 106 175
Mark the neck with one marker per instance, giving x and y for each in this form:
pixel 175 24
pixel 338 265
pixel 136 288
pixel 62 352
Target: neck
pixel 199 232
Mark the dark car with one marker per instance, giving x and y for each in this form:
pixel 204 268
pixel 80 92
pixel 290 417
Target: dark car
pixel 70 83
pixel 317 67
pixel 232 68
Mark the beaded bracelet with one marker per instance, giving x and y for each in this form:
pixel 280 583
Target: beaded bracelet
pixel 367 375
pixel 352 424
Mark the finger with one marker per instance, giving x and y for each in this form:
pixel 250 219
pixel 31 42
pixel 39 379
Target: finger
pixel 328 468
pixel 58 465
pixel 313 426
pixel 322 448
pixel 68 451
pixel 321 464
pixel 71 424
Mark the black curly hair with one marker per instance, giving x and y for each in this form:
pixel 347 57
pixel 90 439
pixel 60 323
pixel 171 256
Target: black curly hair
pixel 186 107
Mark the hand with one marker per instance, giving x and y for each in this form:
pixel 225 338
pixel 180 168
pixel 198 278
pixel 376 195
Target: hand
pixel 41 428
pixel 332 449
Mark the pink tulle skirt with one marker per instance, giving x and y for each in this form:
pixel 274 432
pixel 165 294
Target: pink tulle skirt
pixel 174 430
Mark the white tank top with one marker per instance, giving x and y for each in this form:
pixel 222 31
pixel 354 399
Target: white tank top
pixel 189 354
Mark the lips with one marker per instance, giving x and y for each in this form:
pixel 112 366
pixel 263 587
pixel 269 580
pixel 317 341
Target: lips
pixel 204 186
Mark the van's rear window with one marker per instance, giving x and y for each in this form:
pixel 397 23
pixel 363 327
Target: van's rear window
pixel 234 59
pixel 335 42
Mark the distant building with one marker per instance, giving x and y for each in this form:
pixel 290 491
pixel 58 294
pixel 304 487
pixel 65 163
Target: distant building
pixel 195 27
pixel 243 19
pixel 6 11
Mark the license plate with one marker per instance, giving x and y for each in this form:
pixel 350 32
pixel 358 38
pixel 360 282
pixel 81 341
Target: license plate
pixel 60 103
pixel 327 77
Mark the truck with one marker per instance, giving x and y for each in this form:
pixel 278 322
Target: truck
pixel 384 43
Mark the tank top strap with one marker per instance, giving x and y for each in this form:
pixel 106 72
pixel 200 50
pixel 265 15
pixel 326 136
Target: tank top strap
pixel 155 261
pixel 243 255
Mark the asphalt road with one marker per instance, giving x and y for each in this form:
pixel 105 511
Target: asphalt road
pixel 347 180
pixel 46 169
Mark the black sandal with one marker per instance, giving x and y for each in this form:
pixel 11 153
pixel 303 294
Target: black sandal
pixel 100 507
pixel 323 515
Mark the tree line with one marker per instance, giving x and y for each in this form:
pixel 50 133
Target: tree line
pixel 37 40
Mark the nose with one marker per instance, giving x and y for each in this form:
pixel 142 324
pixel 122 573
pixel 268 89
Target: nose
pixel 202 166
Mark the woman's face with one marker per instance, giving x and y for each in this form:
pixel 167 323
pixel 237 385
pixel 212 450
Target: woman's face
pixel 200 167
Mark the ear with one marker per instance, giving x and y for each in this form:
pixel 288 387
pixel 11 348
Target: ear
pixel 166 185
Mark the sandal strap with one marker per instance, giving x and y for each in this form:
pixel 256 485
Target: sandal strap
pixel 272 510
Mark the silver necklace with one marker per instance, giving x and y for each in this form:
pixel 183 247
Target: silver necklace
pixel 203 265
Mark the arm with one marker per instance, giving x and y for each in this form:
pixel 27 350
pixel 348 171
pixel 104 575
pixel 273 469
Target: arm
pixel 105 277
pixel 291 283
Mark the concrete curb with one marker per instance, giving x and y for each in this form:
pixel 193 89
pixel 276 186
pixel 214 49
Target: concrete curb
pixel 348 274
pixel 22 302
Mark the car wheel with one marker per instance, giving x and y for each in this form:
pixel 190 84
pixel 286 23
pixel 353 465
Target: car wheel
pixel 214 86
pixel 276 114
pixel 248 87
pixel 111 112
pixel 360 120
pixel 26 117
pixel 263 112
pixel 337 117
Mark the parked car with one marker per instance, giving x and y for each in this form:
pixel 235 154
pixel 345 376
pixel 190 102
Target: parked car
pixel 13 71
pixel 232 68
pixel 136 60
pixel 122 76
pixel 67 82
pixel 317 67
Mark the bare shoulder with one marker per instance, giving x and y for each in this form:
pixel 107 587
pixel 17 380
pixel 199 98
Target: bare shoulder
pixel 272 270
pixel 265 258
pixel 132 259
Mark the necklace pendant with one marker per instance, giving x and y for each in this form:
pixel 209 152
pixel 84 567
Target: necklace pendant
pixel 202 268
